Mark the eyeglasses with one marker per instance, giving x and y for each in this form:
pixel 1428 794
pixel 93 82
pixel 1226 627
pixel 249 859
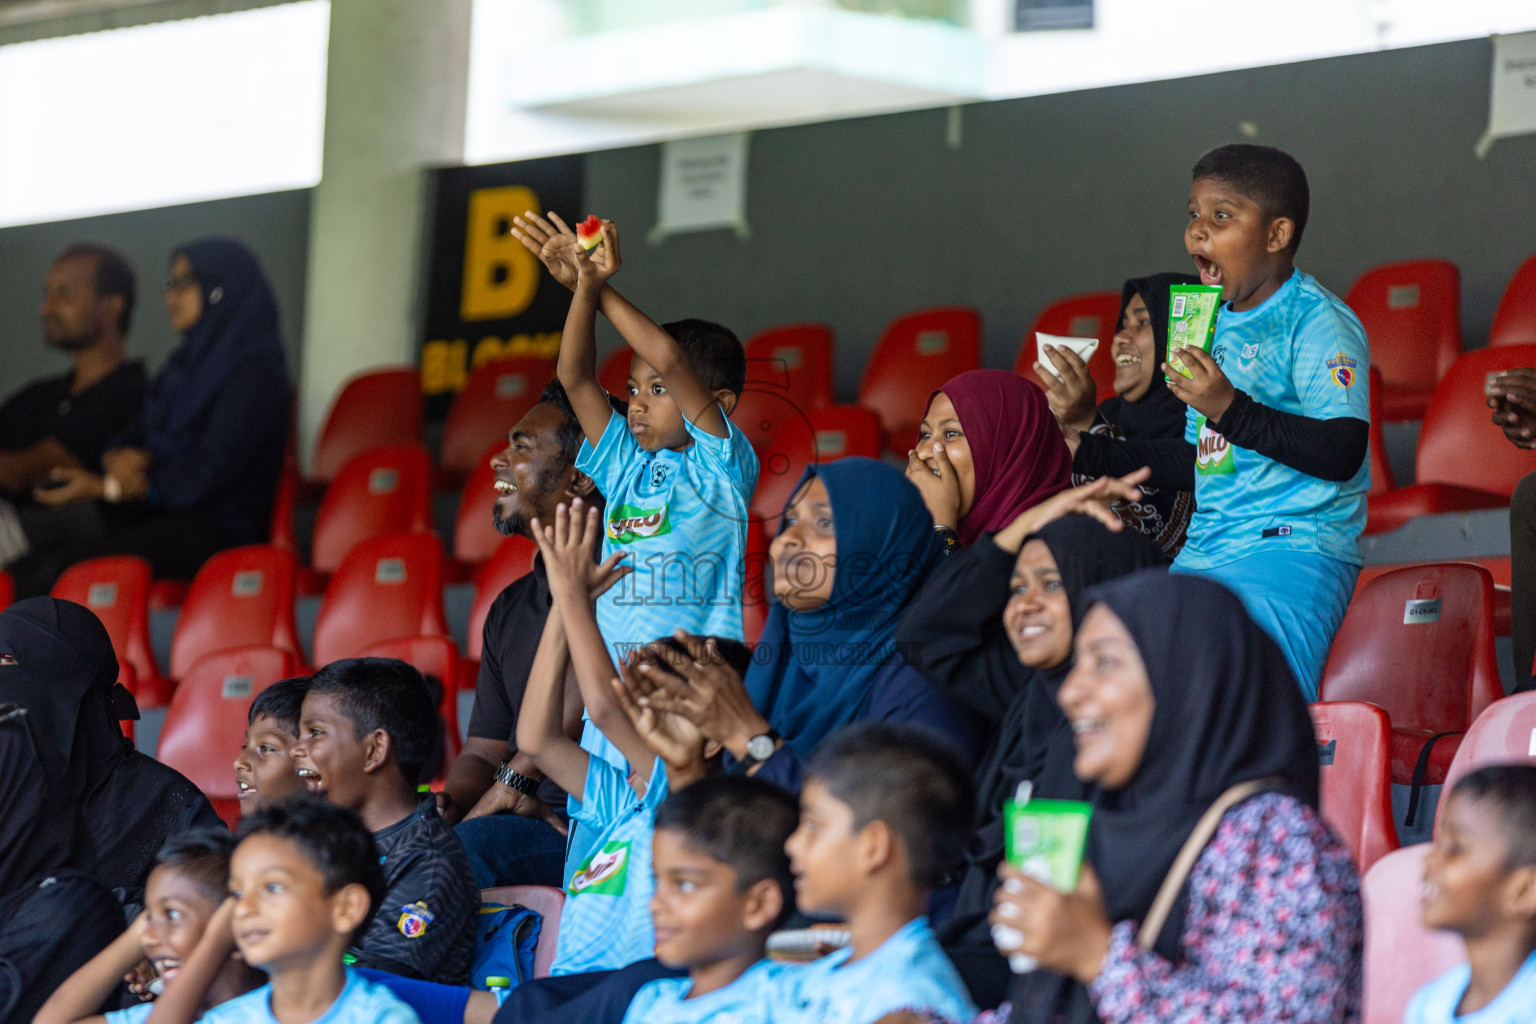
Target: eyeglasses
pixel 180 282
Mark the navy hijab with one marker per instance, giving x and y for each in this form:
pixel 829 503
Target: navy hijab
pixel 820 665
pixel 239 326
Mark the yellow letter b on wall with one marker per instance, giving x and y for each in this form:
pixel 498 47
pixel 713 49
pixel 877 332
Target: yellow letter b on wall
pixel 500 276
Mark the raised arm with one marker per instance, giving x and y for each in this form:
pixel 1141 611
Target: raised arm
pixel 539 731
pixel 554 243
pixel 575 581
pixel 697 403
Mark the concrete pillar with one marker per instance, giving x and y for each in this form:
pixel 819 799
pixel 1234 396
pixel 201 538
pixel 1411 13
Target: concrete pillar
pixel 395 98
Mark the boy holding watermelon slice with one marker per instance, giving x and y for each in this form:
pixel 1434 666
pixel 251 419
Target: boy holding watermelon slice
pixel 676 474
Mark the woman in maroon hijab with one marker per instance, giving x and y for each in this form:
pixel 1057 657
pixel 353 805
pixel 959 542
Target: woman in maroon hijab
pixel 988 449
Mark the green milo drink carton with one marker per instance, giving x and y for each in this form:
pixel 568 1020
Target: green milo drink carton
pixel 1046 839
pixel 1191 320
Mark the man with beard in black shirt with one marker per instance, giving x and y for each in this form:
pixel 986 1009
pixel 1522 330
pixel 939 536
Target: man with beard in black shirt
pixel 68 420
pixel 512 820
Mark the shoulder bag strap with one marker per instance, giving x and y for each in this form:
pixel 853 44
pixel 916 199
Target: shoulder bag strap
pixel 1173 884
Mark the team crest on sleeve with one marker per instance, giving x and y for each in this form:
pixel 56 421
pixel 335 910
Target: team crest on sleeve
pixel 414 918
pixel 1342 369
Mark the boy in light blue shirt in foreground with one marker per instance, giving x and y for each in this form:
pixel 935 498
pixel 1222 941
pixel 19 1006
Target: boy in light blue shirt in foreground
pixel 1480 882
pixel 902 790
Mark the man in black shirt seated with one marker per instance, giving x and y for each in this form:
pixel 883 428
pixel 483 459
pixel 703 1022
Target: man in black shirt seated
pixel 511 819
pixel 68 420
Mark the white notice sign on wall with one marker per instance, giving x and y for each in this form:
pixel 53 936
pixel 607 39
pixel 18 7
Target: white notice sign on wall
pixel 1512 97
pixel 703 186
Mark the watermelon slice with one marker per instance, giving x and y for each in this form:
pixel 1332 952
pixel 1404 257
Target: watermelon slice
pixel 590 233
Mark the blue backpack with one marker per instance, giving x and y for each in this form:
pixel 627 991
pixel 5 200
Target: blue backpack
pixel 505 938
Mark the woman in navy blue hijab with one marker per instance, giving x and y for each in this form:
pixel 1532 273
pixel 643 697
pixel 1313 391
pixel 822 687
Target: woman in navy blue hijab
pixel 197 471
pixel 855 545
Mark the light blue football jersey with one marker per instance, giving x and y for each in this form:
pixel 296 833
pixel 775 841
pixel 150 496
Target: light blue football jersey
pixel 606 921
pixel 1301 351
pixel 908 972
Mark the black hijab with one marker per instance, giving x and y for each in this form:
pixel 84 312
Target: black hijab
pixel 239 325
pixel 124 804
pixel 59 673
pixel 1034 741
pixel 1158 413
pixel 1086 553
pixel 1227 711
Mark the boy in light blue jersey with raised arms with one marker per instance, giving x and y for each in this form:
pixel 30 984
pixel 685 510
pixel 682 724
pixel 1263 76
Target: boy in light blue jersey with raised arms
pixel 677 475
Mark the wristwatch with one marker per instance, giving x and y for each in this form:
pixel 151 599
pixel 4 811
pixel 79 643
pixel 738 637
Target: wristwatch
pixel 760 748
pixel 516 780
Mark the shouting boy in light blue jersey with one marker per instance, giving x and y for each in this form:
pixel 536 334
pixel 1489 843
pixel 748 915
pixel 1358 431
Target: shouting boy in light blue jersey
pixel 1276 431
pixel 1279 410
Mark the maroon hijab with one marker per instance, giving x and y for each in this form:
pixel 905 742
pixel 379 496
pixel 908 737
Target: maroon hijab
pixel 1016 446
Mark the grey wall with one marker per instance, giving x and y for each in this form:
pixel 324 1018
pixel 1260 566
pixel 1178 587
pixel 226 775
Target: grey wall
pixel 854 222
pixel 275 225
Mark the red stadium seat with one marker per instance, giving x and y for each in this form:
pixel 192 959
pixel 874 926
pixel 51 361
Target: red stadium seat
pixel 782 463
pixel 496 396
pixel 282 533
pixel 845 430
pixel 240 598
pixel 1412 317
pixel 613 374
pixel 386 587
pixel 7 590
pixel 767 416
pixel 1505 733
pixel 512 561
pixel 205 723
pixel 1463 462
pixel 373 410
pixel 1381 470
pixel 1356 784
pixel 1497 566
pixel 797 358
pixel 1418 642
pixel 116 588
pixel 1514 323
pixel 544 900
pixel 1091 315
pixel 436 656
pixel 380 492
pixel 754 594
pixel 913 358
pixel 475 537
pixel 1401 955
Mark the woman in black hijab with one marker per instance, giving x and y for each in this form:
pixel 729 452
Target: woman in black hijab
pixel 58 699
pixel 1055 566
pixel 122 804
pixel 1188 726
pixel 1141 409
pixel 198 470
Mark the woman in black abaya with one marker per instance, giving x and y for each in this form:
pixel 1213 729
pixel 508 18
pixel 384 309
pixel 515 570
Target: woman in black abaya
pixel 1054 568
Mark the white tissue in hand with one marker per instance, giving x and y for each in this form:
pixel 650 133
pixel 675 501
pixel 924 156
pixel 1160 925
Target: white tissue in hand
pixel 1084 347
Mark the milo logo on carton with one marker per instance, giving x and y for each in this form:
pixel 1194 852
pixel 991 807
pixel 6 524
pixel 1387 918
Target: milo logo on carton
pixel 1213 452
pixel 606 871
pixel 629 523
